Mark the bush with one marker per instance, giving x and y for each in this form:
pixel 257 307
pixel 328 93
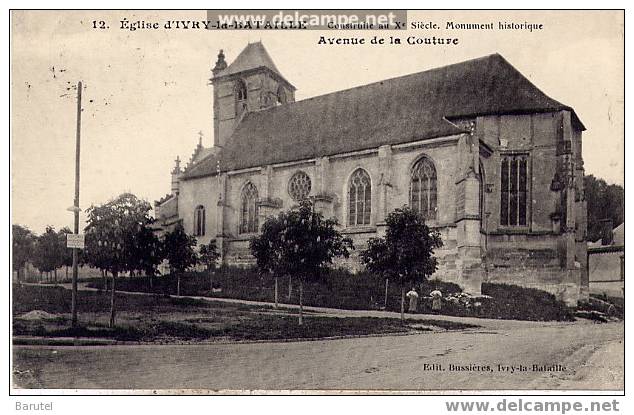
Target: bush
pixel 519 303
pixel 339 288
pixel 612 307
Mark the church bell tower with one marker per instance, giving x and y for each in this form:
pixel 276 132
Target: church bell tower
pixel 250 83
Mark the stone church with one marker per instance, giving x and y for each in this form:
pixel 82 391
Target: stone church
pixel 484 155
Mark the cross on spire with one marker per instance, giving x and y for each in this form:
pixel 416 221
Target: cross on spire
pixel 200 138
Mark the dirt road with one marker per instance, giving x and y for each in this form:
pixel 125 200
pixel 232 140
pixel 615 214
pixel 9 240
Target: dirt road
pixel 578 355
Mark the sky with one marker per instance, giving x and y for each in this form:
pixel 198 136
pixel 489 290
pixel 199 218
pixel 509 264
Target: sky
pixel 147 92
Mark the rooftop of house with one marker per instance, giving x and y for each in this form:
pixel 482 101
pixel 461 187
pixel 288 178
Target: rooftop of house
pixel 618 238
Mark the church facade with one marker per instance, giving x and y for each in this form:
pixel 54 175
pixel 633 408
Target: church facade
pixel 486 157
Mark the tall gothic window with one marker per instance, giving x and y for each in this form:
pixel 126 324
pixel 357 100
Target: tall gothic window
pixel 241 96
pixel 423 192
pixel 513 197
pixel 299 186
pixel 360 198
pixel 281 95
pixel 249 209
pixel 199 221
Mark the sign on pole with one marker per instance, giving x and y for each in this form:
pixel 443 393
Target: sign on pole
pixel 75 240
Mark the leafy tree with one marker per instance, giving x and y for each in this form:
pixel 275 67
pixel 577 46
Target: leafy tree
pixel 180 252
pixel 267 249
pixel 209 255
pixel 39 257
pixel 23 246
pixel 605 201
pixel 406 251
pixel 301 243
pixel 48 252
pixel 111 235
pixel 146 252
pixel 66 258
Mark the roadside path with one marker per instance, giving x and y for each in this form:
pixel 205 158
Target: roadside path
pixel 486 323
pixel 589 358
pixel 590 355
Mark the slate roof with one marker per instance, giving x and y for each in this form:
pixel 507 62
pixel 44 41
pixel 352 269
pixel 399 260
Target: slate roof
pixel 618 238
pixel 619 234
pixel 394 111
pixel 252 57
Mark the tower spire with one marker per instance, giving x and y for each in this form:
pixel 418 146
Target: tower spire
pixel 177 165
pixel 221 64
pixel 253 66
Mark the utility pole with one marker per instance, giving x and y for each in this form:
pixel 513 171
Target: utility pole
pixel 76 206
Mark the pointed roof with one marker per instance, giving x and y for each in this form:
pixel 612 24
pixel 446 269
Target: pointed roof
pixel 618 238
pixel 254 56
pixel 619 234
pixel 394 111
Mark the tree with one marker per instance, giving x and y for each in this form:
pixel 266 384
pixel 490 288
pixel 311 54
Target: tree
pixel 605 201
pixel 180 252
pixel 23 246
pixel 111 235
pixel 146 252
pixel 406 251
pixel 66 258
pixel 267 249
pixel 48 253
pixel 208 255
pixel 377 254
pixel 301 243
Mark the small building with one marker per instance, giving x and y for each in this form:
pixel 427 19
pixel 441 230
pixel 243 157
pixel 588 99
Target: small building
pixel 606 261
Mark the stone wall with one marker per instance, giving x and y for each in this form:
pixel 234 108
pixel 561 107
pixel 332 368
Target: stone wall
pixel 262 90
pixel 607 271
pixel 389 170
pixel 548 253
pixel 199 192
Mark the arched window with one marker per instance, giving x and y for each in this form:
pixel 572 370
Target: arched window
pixel 360 198
pixel 281 95
pixel 299 186
pixel 514 189
pixel 241 96
pixel 249 209
pixel 199 221
pixel 423 193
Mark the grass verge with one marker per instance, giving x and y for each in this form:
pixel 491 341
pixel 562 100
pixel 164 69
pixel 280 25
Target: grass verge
pixel 161 319
pixel 338 288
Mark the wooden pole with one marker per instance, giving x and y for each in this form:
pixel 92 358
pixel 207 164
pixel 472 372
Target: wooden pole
pixel 276 292
pixel 290 287
pixel 76 207
pixel 402 302
pixel 387 282
pixel 112 301
pixel 301 302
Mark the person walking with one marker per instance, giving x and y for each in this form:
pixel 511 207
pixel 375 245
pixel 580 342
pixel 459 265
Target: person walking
pixel 412 295
pixel 436 301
